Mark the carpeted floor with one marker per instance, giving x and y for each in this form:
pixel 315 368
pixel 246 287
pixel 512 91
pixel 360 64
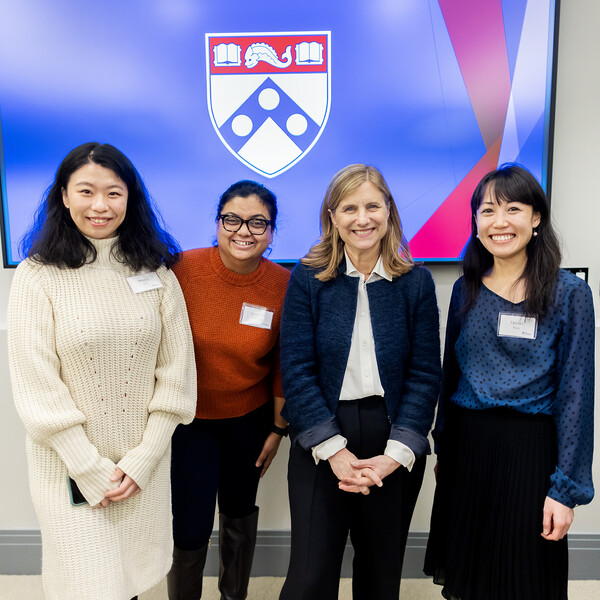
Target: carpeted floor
pixel 29 587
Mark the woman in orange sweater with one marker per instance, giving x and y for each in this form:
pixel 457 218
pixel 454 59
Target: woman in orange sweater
pixel 234 297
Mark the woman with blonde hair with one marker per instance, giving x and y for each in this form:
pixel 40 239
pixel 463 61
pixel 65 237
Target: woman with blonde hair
pixel 360 365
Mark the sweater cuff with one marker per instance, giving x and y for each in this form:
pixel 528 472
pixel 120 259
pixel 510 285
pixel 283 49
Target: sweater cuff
pixel 84 464
pixel 140 462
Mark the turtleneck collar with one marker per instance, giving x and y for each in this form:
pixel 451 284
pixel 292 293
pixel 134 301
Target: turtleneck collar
pixel 105 251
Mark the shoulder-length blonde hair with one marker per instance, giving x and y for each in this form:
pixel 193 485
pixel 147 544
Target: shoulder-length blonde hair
pixel 327 254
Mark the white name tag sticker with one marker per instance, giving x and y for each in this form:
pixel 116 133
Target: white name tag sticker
pixel 517 326
pixel 256 316
pixel 144 282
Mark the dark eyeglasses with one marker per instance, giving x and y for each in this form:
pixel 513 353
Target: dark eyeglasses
pixel 233 223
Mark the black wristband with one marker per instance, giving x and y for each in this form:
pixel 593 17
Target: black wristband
pixel 282 431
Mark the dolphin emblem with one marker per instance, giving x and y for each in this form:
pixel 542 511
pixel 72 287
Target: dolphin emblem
pixel 260 51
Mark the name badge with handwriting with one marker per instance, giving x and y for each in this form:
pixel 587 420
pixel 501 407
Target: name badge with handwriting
pixel 144 282
pixel 517 326
pixel 256 316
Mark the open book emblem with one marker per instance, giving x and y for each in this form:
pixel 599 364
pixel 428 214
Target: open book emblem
pixel 269 95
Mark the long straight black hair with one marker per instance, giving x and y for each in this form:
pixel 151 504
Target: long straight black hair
pixel 54 238
pixel 511 182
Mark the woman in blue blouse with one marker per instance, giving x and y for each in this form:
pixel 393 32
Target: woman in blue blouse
pixel 360 367
pixel 514 428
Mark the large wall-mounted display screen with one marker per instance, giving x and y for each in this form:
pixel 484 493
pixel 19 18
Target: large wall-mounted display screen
pixel 198 94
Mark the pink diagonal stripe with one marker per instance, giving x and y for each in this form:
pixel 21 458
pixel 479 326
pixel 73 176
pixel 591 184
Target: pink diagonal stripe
pixel 448 229
pixel 476 29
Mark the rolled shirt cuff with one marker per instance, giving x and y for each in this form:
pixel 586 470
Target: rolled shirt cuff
pixel 416 442
pixel 315 435
pixel 328 448
pixel 401 453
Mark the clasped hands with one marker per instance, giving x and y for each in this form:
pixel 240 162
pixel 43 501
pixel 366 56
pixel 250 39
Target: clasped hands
pixel 128 488
pixel 357 476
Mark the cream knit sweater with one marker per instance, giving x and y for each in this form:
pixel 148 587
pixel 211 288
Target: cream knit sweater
pixel 101 377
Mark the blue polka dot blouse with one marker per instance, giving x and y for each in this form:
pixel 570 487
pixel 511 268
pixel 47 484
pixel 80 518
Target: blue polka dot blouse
pixel 552 374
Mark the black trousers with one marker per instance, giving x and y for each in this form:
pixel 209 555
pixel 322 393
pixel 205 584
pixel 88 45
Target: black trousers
pixel 215 458
pixel 322 515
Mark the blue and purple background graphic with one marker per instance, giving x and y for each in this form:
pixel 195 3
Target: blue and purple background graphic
pixel 433 92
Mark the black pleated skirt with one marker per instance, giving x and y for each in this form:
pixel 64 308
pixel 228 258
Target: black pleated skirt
pixel 493 477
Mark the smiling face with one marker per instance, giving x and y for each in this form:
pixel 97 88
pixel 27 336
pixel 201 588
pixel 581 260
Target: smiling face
pixel 97 201
pixel 361 219
pixel 505 228
pixel 241 250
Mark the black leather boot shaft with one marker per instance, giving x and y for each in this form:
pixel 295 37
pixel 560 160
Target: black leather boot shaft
pixel 237 539
pixel 184 581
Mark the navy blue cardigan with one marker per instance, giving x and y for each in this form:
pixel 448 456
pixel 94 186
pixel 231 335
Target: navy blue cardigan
pixel 316 333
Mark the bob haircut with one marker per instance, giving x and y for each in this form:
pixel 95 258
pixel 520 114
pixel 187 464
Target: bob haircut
pixel 513 183
pixel 246 188
pixel 54 239
pixel 328 253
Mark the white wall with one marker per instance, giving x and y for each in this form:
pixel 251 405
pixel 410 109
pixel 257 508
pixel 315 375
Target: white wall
pixel 576 212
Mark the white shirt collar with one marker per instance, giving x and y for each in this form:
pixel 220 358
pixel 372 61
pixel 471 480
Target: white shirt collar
pixel 378 269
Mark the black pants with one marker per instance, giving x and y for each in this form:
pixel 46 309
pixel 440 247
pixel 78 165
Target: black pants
pixel 323 515
pixel 210 458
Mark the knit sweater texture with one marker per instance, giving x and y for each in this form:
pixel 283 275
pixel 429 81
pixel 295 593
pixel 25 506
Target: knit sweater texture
pixel 101 377
pixel 237 364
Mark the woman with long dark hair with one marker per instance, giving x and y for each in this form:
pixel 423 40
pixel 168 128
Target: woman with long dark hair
pixel 360 366
pixel 102 370
pixel 234 297
pixel 515 420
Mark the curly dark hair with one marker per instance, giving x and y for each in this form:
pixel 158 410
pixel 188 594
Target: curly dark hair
pixel 54 238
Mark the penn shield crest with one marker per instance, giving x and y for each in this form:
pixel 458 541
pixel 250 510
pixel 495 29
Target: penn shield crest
pixel 269 95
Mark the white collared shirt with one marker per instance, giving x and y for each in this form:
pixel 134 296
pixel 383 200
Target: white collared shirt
pixel 361 378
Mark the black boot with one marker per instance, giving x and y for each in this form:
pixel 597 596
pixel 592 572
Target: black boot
pixel 184 581
pixel 237 538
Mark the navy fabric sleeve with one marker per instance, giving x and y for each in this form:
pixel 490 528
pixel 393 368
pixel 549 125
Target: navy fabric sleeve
pixel 305 407
pixel 451 371
pixel 573 408
pixel 422 371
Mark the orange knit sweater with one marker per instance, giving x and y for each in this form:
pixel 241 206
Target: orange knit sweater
pixel 237 365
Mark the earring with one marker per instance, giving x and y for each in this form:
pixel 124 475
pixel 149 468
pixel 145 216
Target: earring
pixel 534 233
